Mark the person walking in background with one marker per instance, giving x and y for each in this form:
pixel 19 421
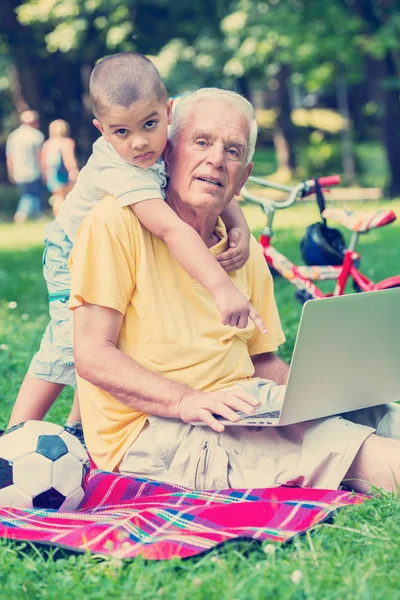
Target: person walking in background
pixel 23 152
pixel 59 166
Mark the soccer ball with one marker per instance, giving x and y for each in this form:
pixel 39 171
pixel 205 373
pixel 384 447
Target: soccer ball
pixel 42 466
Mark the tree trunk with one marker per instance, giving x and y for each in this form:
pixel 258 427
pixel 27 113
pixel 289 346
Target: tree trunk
pixel 391 120
pixel 384 75
pixel 345 133
pixel 88 133
pixel 17 96
pixel 381 72
pixel 284 132
pixel 24 49
pixel 243 87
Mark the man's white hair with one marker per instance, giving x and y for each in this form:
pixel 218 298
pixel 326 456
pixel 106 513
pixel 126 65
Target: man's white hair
pixel 182 106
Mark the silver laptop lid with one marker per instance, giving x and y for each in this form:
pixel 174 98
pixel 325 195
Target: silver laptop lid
pixel 346 356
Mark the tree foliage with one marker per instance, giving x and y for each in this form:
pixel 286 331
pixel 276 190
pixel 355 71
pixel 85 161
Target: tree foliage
pixel 48 47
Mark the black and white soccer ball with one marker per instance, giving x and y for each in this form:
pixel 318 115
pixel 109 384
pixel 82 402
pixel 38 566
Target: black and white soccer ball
pixel 42 466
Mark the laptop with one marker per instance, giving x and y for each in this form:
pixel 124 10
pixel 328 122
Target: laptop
pixel 346 357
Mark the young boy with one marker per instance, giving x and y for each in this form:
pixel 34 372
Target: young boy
pixel 132 113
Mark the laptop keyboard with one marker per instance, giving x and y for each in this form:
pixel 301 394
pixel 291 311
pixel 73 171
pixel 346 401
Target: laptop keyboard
pixel 274 414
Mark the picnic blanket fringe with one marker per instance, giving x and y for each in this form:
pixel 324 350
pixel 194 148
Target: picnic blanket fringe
pixel 127 516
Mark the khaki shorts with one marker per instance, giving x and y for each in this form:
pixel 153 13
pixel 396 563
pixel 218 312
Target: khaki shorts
pixel 313 454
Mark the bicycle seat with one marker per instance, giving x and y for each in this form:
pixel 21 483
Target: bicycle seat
pixel 359 221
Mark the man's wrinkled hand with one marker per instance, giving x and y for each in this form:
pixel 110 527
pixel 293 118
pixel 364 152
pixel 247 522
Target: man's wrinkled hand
pixel 198 406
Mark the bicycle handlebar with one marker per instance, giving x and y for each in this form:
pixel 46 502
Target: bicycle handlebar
pixel 329 181
pixel 300 189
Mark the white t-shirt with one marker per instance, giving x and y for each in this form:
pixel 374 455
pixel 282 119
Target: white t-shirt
pixel 107 173
pixel 22 147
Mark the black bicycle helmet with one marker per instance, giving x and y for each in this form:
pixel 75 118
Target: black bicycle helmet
pixel 322 245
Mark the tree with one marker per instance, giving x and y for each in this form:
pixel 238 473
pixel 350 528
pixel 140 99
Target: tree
pixel 379 40
pixel 54 45
pixel 269 49
pixel 25 50
pixel 322 42
pixel 287 44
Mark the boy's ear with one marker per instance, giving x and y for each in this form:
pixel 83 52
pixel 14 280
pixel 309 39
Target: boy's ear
pixel 169 110
pixel 98 126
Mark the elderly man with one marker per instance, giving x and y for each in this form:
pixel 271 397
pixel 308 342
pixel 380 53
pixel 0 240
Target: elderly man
pixel 153 357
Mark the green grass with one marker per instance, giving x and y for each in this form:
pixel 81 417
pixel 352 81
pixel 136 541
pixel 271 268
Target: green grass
pixel 356 557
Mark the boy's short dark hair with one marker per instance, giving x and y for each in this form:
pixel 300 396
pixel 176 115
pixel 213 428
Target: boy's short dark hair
pixel 121 79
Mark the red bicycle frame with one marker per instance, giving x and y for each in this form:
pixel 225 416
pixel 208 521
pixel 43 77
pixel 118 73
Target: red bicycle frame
pixel 303 277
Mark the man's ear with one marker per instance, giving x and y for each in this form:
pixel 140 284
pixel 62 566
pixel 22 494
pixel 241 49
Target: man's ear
pixel 247 174
pixel 98 126
pixel 167 157
pixel 169 110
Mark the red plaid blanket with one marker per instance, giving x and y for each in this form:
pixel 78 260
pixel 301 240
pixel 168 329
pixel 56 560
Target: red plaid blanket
pixel 126 516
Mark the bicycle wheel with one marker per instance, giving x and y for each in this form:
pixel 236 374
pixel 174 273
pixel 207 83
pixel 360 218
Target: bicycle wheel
pixel 358 289
pixel 392 287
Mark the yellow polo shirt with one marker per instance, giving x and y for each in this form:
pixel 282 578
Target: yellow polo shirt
pixel 171 325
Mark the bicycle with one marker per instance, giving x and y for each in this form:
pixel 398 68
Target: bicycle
pixel 302 277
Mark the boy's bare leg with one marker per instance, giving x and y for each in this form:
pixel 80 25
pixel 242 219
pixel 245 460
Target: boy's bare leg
pixel 75 414
pixel 35 397
pixel 377 463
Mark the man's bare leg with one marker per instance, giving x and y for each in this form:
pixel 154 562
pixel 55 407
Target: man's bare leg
pixel 35 398
pixel 377 464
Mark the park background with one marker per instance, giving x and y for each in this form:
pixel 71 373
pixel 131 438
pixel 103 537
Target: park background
pixel 323 76
pixel 325 80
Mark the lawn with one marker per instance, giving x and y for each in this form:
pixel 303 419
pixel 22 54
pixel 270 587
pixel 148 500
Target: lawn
pixel 356 557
